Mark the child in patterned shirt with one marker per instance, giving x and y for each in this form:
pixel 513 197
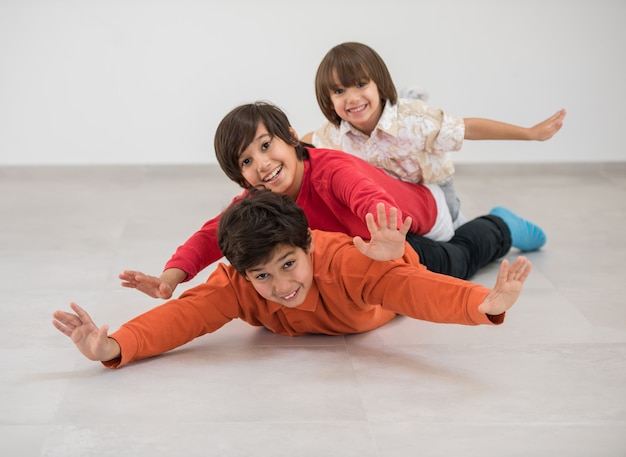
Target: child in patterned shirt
pixel 407 138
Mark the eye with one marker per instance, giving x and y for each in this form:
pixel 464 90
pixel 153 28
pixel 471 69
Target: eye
pixel 362 84
pixel 262 276
pixel 245 162
pixel 338 91
pixel 289 264
pixel 265 146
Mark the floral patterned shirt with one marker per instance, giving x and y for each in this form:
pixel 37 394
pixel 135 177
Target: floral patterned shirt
pixel 411 141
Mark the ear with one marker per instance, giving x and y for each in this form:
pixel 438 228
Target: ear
pixel 312 245
pixel 294 134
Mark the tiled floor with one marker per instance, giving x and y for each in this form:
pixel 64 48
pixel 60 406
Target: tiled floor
pixel 550 382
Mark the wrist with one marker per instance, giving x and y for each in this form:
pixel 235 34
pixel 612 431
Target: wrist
pixel 530 134
pixel 173 276
pixel 113 351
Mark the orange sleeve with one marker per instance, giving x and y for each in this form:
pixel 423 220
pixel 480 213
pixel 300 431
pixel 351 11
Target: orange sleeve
pixel 198 311
pixel 407 288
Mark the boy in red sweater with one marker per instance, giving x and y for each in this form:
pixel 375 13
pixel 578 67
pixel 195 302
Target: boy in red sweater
pixel 293 281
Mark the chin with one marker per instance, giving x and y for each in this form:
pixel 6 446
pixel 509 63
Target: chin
pixel 292 304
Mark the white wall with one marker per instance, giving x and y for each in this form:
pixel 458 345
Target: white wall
pixel 147 81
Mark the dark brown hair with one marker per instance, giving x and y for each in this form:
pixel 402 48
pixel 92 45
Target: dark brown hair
pixel 251 229
pixel 236 131
pixel 352 63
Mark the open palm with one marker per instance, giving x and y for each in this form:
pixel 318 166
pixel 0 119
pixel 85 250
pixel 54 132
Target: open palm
pixel 387 241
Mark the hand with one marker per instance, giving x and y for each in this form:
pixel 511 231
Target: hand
pixel 91 341
pixel 508 286
pixel 149 285
pixel 546 129
pixel 387 242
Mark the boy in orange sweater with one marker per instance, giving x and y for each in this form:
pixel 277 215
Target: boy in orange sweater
pixel 295 281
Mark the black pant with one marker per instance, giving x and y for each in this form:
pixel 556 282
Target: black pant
pixel 474 245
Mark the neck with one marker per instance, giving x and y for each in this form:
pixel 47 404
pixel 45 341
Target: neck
pixel 297 182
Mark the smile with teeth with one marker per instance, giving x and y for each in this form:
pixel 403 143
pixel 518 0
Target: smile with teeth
pixel 356 109
pixel 274 174
pixel 291 295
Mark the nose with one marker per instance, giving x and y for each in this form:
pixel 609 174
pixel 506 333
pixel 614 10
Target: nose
pixel 262 162
pixel 282 286
pixel 351 93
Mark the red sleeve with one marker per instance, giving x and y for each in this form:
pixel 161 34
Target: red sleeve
pixel 199 251
pixel 361 193
pixel 362 187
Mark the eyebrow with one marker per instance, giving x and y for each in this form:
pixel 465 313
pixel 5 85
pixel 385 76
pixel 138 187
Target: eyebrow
pixel 279 260
pixel 261 136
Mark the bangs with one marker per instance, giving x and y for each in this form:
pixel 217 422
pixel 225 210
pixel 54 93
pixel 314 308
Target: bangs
pixel 350 73
pixel 348 68
pixel 247 126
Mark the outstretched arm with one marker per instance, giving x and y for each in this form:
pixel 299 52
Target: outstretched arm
pixel 387 242
pixel 508 287
pixel 91 341
pixel 198 252
pixel 161 287
pixel 487 129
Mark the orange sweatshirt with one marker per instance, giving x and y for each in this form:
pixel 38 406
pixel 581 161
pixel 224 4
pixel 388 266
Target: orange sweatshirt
pixel 351 293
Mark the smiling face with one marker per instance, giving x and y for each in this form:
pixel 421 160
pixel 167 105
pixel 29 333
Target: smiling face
pixel 271 162
pixel 286 278
pixel 348 65
pixel 360 105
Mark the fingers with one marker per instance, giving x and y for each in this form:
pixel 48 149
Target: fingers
pixel 516 267
pixel 503 273
pixel 371 223
pixel 60 326
pixel 548 128
pixel 66 319
pixel 384 223
pixel 521 269
pixel 137 280
pixel 359 243
pixel 556 121
pixel 517 271
pixel 381 219
pixel 406 225
pixel 557 117
pixel 68 322
pixel 129 278
pixel 381 215
pixel 81 313
pixel 129 275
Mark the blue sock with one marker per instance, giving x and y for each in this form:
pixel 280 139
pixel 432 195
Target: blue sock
pixel 525 235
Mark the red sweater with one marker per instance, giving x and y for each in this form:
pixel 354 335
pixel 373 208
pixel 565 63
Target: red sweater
pixel 351 293
pixel 337 191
